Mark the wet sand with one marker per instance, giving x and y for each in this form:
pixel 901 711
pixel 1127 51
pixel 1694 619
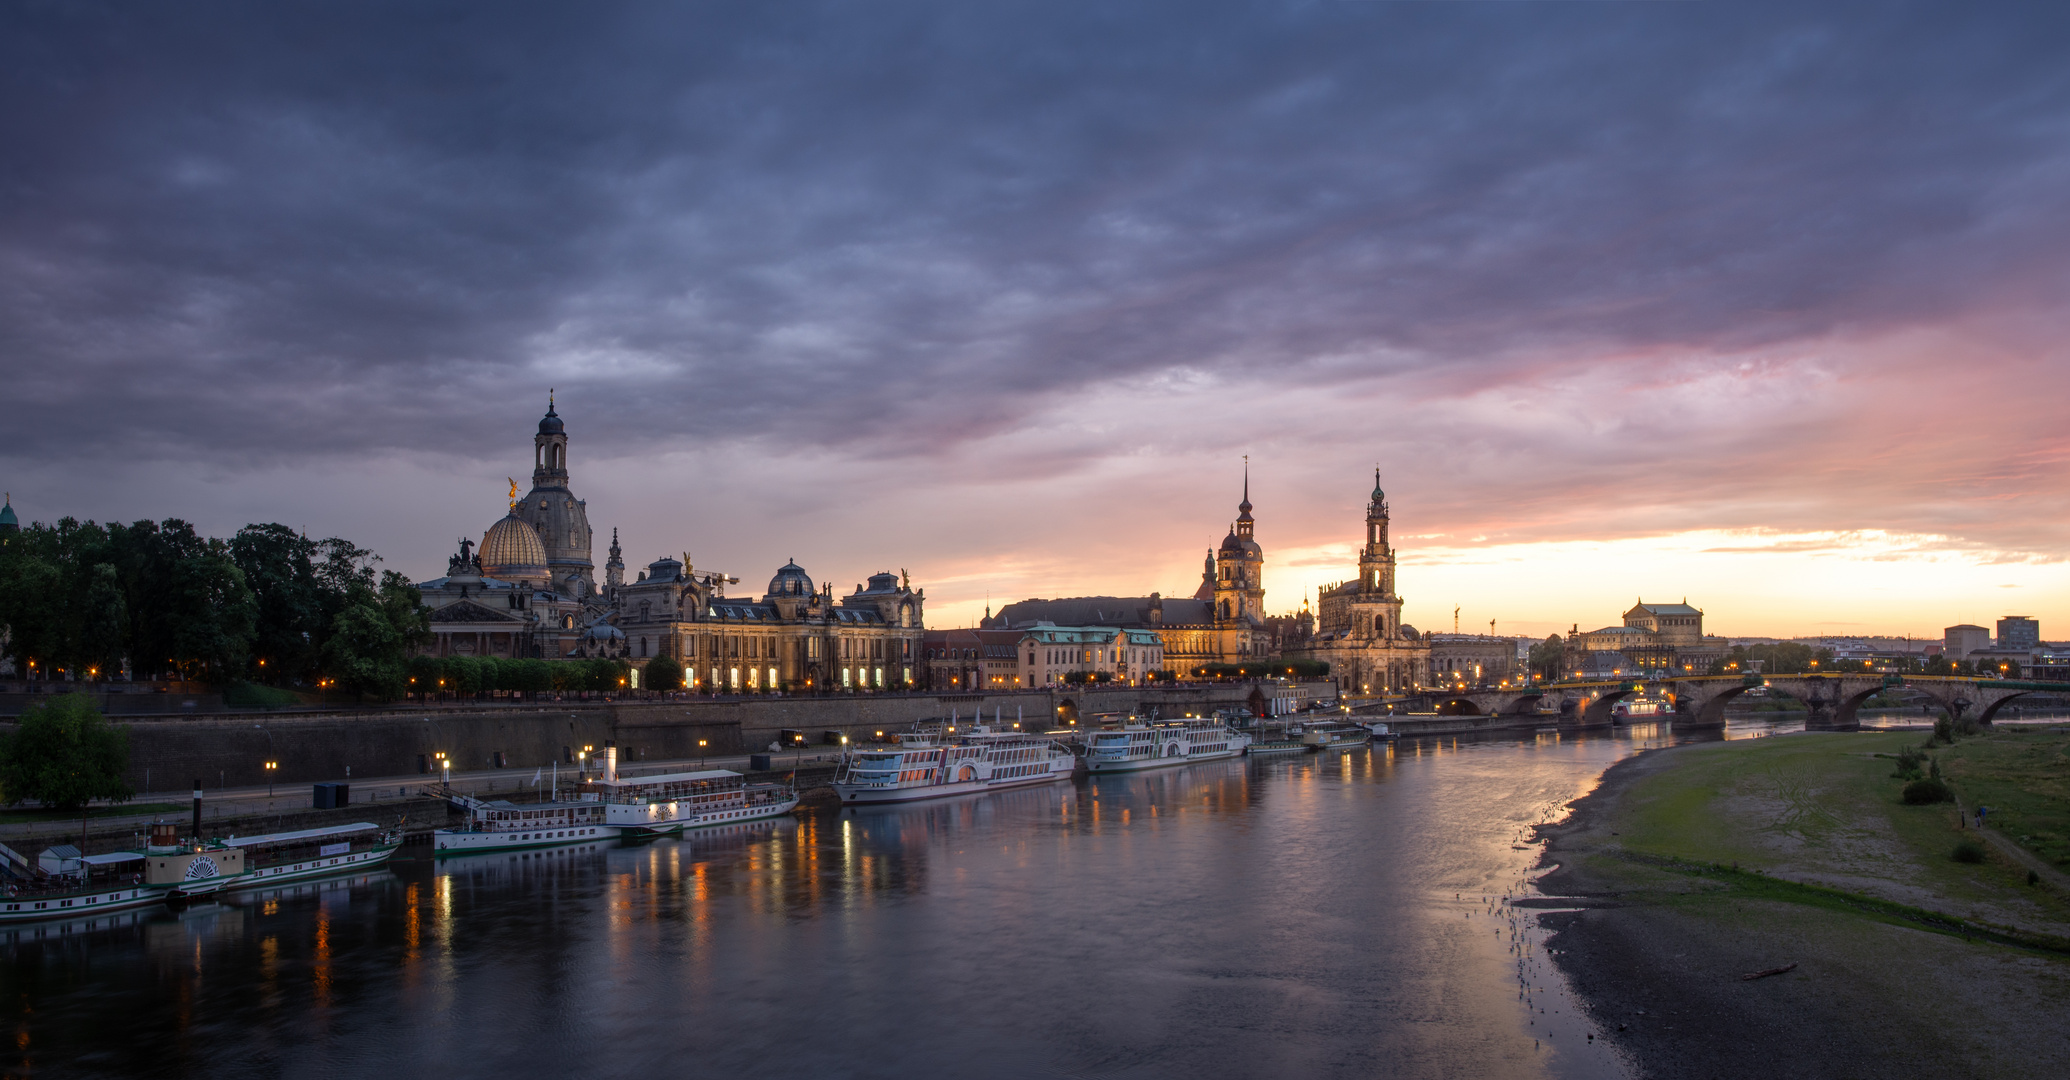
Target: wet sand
pixel 1659 960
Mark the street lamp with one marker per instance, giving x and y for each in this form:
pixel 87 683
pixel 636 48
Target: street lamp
pixel 702 756
pixel 270 767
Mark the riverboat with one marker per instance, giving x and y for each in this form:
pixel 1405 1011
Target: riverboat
pixel 1139 744
pixel 1330 735
pixel 97 883
pixel 272 858
pixel 931 764
pixel 501 825
pixel 671 802
pixel 1641 709
pixel 1381 732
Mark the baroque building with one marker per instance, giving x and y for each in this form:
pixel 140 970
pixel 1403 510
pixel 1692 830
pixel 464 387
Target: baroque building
pixel 529 591
pixel 1654 637
pixel 1222 623
pixel 1358 623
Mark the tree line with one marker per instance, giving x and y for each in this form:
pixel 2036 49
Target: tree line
pixel 82 601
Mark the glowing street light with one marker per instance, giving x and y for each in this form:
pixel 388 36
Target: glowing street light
pixel 270 767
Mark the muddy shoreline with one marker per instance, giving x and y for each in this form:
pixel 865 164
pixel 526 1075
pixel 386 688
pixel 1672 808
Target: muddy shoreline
pixel 1663 981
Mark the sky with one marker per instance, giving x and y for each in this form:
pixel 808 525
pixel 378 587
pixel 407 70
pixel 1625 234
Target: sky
pixel 1762 305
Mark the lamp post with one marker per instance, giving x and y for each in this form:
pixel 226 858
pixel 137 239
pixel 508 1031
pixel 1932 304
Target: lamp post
pixel 270 767
pixel 703 756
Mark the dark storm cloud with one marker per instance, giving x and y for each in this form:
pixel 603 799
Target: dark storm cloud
pixel 257 233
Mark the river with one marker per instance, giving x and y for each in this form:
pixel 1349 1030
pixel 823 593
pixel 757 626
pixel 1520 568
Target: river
pixel 1308 916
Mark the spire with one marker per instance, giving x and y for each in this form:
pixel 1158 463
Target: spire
pixel 1244 508
pixel 1379 496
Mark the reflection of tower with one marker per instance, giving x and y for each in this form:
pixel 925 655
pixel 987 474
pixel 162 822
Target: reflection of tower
pixel 560 519
pixel 614 567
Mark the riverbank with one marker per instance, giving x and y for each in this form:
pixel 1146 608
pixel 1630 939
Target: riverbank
pixel 1701 864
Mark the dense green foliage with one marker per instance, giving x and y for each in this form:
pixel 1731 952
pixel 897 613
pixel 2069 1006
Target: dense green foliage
pixel 1781 658
pixel 1547 658
pixel 470 676
pixel 63 754
pixel 663 673
pixel 81 599
pixel 1927 792
pixel 1968 851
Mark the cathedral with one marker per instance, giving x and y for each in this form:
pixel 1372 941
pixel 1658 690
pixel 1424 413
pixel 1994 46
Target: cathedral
pixel 528 590
pixel 1359 630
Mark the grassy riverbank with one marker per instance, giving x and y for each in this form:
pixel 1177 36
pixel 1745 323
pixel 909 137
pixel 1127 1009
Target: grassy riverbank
pixel 1718 860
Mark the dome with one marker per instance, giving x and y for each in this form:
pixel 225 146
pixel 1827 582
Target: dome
pixel 511 550
pixel 1231 543
pixel 791 580
pixel 550 424
pixel 7 517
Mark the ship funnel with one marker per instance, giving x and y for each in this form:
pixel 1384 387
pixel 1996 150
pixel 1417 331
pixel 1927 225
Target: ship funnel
pixel 610 761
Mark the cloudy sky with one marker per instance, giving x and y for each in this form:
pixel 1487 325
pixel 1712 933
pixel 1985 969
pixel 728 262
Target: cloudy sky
pixel 1759 304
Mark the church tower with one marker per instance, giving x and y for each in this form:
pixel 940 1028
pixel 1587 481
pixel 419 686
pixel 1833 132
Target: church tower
pixel 1376 559
pixel 1239 581
pixel 553 511
pixel 614 567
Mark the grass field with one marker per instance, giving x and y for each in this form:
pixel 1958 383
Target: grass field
pixel 2023 776
pixel 1824 810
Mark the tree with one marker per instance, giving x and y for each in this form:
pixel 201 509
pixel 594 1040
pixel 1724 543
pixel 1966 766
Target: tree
pixel 64 754
pixel 1548 658
pixel 367 648
pixel 663 673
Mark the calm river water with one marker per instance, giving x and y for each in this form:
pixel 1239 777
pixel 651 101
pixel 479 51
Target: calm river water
pixel 1300 916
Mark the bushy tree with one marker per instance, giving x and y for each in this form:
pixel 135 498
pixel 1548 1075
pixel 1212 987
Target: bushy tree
pixel 1547 658
pixel 663 673
pixel 63 753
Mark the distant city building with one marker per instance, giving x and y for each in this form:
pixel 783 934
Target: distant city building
pixel 1654 637
pixel 2019 632
pixel 1957 642
pixel 529 591
pixel 1473 659
pixel 1040 656
pixel 1223 623
pixel 1358 626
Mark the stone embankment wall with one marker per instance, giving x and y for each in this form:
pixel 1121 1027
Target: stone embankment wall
pixel 230 748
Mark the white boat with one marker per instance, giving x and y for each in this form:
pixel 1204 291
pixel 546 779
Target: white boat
pixel 1641 709
pixel 1153 744
pixel 672 802
pixel 499 825
pixel 109 882
pixel 931 764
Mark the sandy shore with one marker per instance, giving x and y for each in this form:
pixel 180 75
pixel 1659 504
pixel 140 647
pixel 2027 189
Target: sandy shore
pixel 1659 959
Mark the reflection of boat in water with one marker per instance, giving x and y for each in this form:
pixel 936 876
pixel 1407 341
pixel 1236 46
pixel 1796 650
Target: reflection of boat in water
pixel 930 765
pixel 1639 709
pixel 1154 744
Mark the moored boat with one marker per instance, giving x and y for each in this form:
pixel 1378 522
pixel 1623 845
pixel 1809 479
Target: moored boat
pixel 930 764
pixel 1154 744
pixel 1331 735
pixel 672 802
pixel 499 825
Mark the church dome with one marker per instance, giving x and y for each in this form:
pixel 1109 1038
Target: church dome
pixel 511 550
pixel 550 424
pixel 791 580
pixel 1231 543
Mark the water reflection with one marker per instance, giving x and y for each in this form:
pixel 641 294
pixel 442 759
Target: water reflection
pixel 1314 915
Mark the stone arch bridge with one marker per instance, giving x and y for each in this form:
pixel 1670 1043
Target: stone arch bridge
pixel 1833 700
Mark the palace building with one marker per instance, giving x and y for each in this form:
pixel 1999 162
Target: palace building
pixel 528 590
pixel 1223 623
